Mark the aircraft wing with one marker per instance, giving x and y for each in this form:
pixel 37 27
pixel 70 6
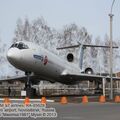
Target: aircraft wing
pixel 67 77
pixel 13 78
pixel 19 78
pixel 83 77
pixel 114 78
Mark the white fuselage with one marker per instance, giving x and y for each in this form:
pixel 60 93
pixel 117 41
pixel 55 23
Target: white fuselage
pixel 41 62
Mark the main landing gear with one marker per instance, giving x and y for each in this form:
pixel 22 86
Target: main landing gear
pixel 98 89
pixel 30 92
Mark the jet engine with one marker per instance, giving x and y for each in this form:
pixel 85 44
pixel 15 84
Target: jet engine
pixel 88 70
pixel 70 57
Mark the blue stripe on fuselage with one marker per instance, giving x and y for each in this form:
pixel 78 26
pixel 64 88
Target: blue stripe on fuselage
pixel 38 57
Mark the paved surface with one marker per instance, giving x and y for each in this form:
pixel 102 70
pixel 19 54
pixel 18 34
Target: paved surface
pixel 79 111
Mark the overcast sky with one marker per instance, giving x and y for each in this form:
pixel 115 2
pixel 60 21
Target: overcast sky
pixel 91 14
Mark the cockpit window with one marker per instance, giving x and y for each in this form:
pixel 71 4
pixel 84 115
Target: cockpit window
pixel 12 45
pixel 19 45
pixel 16 45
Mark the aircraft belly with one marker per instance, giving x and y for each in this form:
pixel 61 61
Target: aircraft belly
pixel 48 71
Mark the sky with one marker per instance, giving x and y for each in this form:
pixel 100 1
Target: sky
pixel 91 14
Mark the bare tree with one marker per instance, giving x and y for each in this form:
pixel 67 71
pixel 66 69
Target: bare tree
pixel 36 31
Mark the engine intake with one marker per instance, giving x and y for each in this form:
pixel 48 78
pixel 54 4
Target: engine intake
pixel 89 71
pixel 70 57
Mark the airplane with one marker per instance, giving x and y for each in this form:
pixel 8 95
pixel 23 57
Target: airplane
pixel 40 64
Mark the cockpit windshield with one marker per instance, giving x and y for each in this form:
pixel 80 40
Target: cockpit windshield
pixel 19 45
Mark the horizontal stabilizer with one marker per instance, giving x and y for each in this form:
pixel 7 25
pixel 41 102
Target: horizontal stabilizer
pixel 72 46
pixel 85 45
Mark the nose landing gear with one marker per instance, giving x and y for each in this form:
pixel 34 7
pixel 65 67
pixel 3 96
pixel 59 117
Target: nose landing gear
pixel 30 92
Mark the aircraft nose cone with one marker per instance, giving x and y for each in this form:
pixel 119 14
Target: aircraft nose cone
pixel 13 55
pixel 10 55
